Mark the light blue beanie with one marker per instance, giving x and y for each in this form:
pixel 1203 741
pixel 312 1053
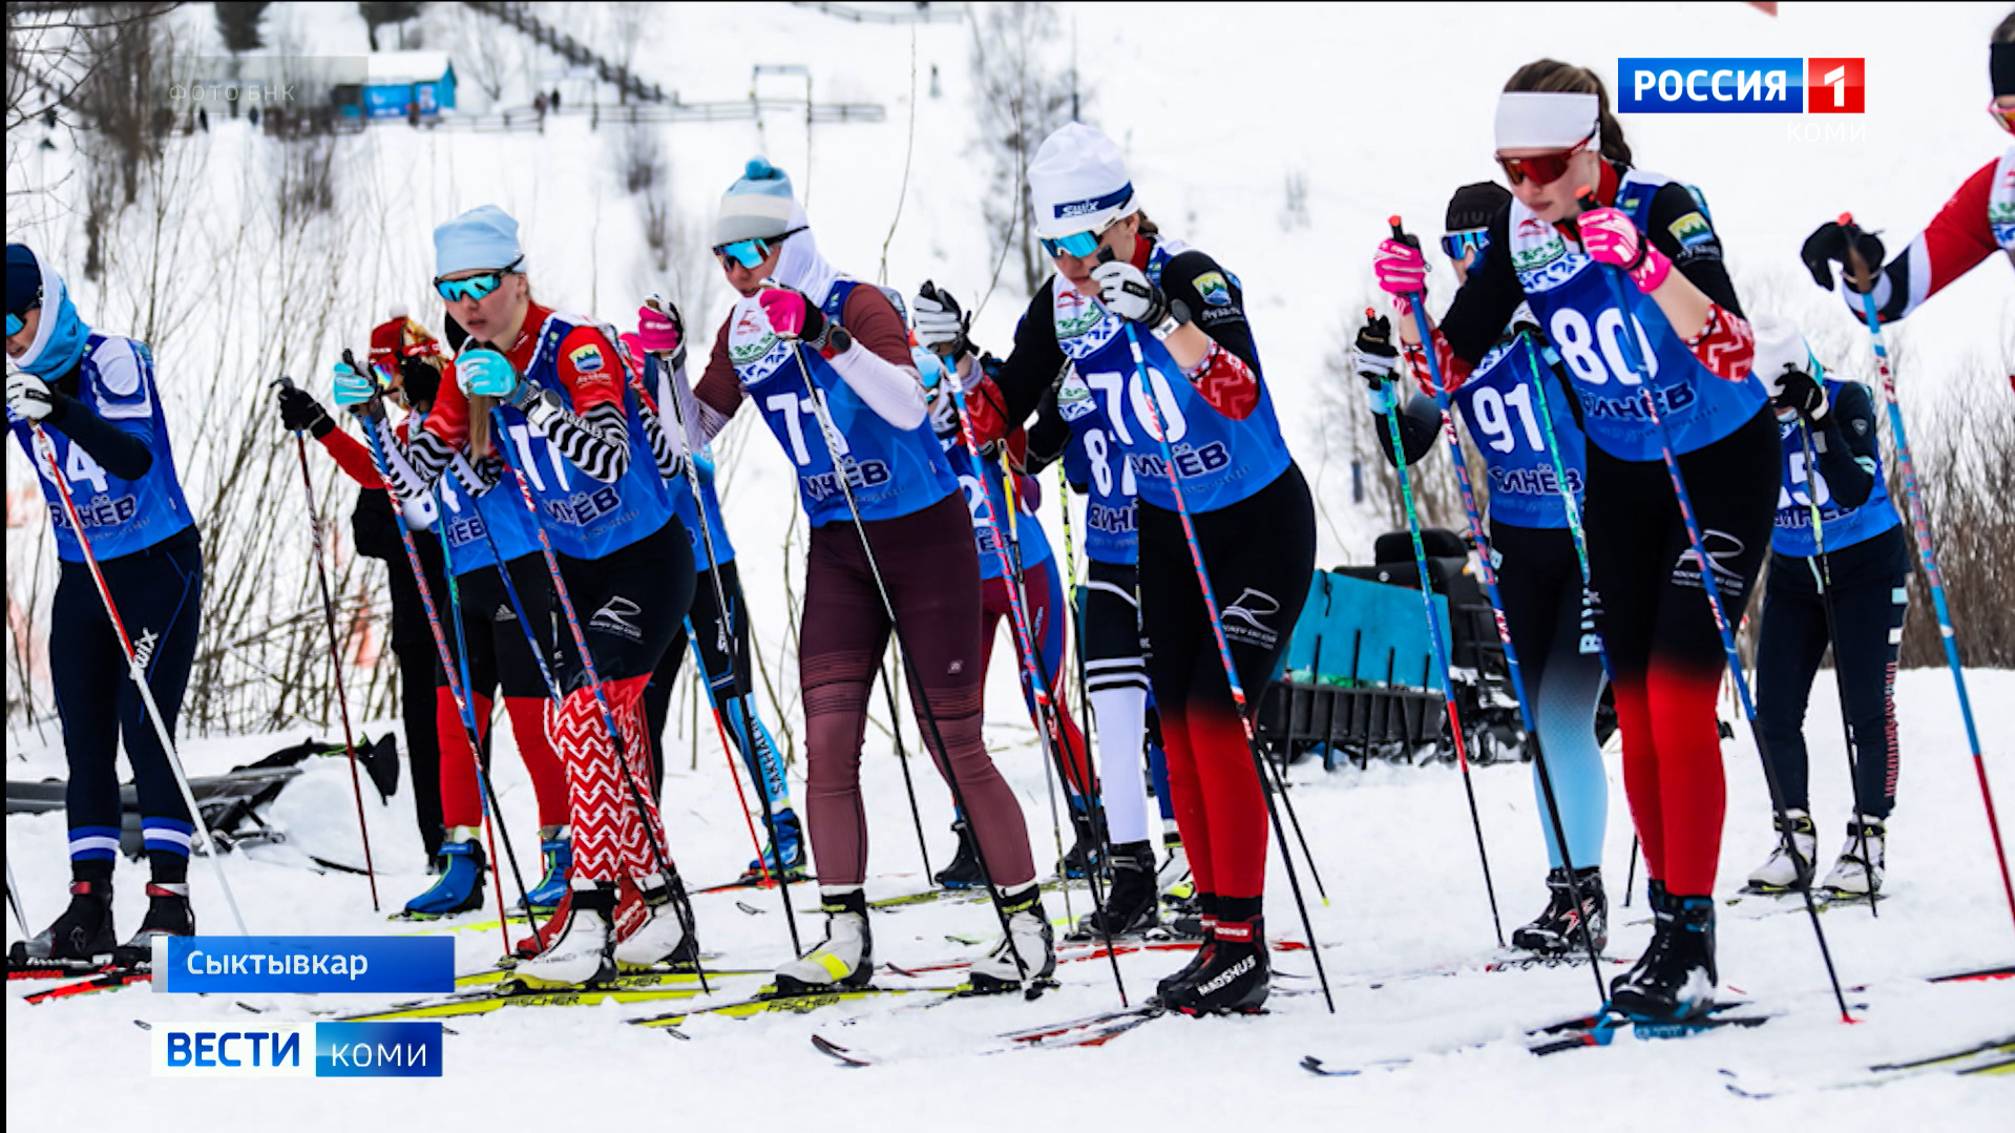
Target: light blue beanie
pixel 483 237
pixel 757 206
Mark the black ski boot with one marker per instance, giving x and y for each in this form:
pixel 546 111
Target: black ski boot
pixel 168 914
pixel 1676 978
pixel 1232 977
pixel 1088 853
pixel 965 871
pixel 82 934
pixel 1557 931
pixel 1132 904
pixel 1201 928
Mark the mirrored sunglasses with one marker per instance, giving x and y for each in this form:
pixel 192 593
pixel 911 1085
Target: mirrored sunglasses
pixel 475 286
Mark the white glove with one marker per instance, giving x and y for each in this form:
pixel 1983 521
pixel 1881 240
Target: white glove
pixel 28 396
pixel 1125 291
pixel 940 325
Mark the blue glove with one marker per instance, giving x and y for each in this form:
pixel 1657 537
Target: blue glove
pixel 703 462
pixel 486 373
pixel 1380 397
pixel 354 390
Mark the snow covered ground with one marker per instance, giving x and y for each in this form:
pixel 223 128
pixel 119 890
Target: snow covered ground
pixel 1405 895
pixel 1379 109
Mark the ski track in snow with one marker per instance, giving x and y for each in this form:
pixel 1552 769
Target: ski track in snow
pixel 1405 893
pixel 1397 855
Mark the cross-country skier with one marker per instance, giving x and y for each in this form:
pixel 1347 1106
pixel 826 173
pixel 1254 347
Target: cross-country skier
pixel 1041 594
pixel 799 327
pixel 376 536
pixel 1546 607
pixel 1556 138
pixel 723 640
pixel 406 357
pixel 1832 458
pixel 94 396
pixel 1976 222
pixel 598 483
pixel 1118 281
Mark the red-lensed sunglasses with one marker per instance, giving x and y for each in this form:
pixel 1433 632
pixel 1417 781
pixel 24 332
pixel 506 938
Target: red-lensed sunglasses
pixel 2004 116
pixel 1546 168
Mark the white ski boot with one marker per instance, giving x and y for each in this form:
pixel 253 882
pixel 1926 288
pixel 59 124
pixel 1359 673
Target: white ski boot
pixel 844 959
pixel 660 937
pixel 1026 956
pixel 1786 871
pixel 1855 875
pixel 584 952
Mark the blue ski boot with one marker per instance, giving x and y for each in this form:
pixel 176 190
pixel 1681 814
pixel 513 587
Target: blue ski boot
pixel 556 845
pixel 785 854
pixel 460 886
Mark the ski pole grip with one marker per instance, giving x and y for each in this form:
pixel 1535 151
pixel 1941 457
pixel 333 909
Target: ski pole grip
pixel 282 382
pixel 1399 232
pixel 1856 266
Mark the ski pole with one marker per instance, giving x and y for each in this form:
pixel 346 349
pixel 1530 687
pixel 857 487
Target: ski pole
pixel 1920 526
pixel 1044 719
pixel 1488 572
pixel 903 759
pixel 1632 358
pixel 137 670
pixel 14 900
pixel 1152 403
pixel 1437 647
pixel 493 808
pixel 335 653
pixel 1823 572
pixel 726 614
pixel 457 691
pixel 919 696
pixel 1035 681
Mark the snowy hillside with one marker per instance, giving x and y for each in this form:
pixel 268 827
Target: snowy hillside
pixel 1377 110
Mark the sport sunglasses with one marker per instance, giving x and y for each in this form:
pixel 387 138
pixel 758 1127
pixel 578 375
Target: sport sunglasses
pixel 2004 116
pixel 14 324
pixel 1080 244
pixel 1460 244
pixel 475 286
pixel 752 252
pixel 1546 168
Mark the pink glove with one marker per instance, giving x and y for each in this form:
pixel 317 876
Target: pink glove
pixel 1401 270
pixel 659 332
pixel 790 316
pixel 1610 238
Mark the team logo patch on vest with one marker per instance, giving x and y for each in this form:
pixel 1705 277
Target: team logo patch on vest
pixel 586 359
pixel 1215 291
pixel 1073 398
pixel 1536 245
pixel 1692 230
pixel 1082 325
pixel 753 348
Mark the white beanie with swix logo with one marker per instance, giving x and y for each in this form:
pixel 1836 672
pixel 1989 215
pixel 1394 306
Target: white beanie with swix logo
pixel 1078 182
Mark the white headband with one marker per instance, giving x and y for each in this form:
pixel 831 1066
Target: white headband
pixel 1544 119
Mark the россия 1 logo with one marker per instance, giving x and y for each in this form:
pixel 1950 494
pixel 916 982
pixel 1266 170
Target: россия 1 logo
pixel 1789 85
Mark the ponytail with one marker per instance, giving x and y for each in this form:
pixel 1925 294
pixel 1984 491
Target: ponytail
pixel 1551 75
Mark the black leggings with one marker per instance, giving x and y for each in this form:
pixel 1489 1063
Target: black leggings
pixel 1260 553
pixel 500 652
pixel 729 674
pixel 1871 582
pixel 159 593
pixel 1665 653
pixel 419 675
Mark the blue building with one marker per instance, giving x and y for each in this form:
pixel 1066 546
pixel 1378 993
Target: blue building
pixel 397 82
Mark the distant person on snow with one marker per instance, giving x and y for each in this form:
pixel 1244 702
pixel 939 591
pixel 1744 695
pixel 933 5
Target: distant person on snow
pixel 94 396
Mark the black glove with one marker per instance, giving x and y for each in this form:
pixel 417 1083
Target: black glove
pixel 1377 358
pixel 1828 245
pixel 299 411
pixel 1799 390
